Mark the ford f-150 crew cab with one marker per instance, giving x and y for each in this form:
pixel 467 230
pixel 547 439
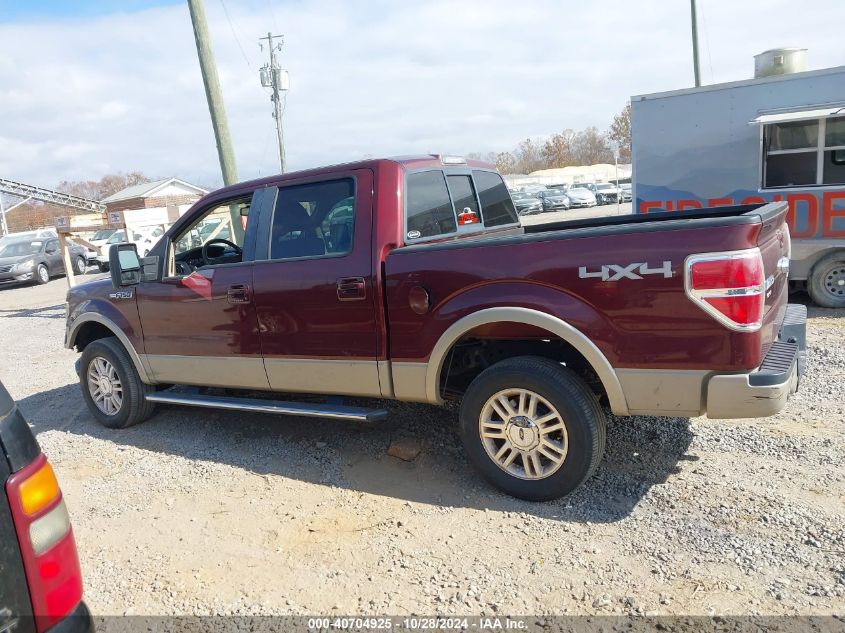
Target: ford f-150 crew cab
pixel 412 279
pixel 40 580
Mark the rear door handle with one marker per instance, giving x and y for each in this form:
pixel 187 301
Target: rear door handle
pixel 351 288
pixel 238 293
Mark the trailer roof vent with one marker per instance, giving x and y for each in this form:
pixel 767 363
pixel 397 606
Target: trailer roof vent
pixel 780 61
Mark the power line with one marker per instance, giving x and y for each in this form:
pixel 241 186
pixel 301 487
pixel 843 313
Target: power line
pixel 232 27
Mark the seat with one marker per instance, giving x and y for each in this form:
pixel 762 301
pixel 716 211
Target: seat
pixel 293 233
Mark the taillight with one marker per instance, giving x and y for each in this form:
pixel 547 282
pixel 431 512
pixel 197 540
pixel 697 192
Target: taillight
pixel 729 286
pixel 46 541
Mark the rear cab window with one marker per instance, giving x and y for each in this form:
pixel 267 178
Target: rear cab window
pixel 442 204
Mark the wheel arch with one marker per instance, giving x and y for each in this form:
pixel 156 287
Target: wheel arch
pixel 527 316
pixel 91 326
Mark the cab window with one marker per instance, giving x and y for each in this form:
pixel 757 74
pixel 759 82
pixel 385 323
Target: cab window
pixel 314 220
pixel 216 237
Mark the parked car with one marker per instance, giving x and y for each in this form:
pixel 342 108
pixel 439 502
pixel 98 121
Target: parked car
pixel 625 192
pixel 40 578
pixel 98 239
pixel 554 200
pixel 527 204
pixel 143 240
pixel 531 329
pixel 606 193
pixel 36 260
pixel 580 197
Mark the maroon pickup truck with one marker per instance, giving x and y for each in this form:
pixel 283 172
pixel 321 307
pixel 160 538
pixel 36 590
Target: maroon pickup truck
pixel 412 279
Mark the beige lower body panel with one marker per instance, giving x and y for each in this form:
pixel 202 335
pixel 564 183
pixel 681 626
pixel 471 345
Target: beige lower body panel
pixel 335 377
pixel 409 381
pixel 664 391
pixel 236 372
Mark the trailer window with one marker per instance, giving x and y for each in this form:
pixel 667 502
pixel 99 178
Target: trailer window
pixel 430 210
pixel 804 153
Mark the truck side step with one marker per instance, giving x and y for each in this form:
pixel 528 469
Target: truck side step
pixel 279 407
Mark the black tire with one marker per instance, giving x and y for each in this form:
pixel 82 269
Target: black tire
pixel 826 284
pixel 104 268
pixel 42 274
pixel 579 410
pixel 134 407
pixel 80 266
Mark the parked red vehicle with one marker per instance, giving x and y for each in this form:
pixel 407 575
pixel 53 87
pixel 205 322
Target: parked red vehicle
pixel 360 280
pixel 40 580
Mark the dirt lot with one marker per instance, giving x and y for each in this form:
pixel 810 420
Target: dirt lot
pixel 205 512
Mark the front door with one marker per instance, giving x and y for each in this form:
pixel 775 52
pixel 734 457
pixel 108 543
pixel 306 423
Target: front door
pixel 199 320
pixel 53 255
pixel 314 287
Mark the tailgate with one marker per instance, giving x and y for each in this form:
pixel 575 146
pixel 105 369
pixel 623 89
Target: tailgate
pixel 774 244
pixel 16 446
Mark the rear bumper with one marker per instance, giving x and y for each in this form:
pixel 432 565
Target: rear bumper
pixel 764 391
pixel 77 621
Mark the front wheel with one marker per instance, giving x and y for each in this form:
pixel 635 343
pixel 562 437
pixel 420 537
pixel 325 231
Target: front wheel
pixel 827 281
pixel 111 387
pixel 532 428
pixel 42 275
pixel 80 266
pixel 103 267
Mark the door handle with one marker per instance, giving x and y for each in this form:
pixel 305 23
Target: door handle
pixel 351 288
pixel 238 293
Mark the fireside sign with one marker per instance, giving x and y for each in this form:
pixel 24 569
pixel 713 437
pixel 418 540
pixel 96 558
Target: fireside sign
pixel 811 215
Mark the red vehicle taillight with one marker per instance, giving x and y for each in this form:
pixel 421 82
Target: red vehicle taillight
pixel 46 541
pixel 729 286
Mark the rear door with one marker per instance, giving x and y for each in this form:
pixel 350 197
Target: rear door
pixel 314 292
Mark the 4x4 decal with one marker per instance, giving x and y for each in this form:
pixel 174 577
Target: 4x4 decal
pixel 629 271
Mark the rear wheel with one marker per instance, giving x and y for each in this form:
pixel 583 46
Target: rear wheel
pixel 42 275
pixel 532 428
pixel 827 281
pixel 103 267
pixel 111 387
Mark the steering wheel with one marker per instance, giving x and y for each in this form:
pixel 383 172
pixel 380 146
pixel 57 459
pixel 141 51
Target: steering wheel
pixel 212 260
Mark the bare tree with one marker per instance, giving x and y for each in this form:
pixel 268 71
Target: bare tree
pixel 558 150
pixel 106 186
pixel 505 163
pixel 590 147
pixel 620 133
pixel 529 156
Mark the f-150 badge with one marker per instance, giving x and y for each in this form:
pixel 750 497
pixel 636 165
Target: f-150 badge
pixel 615 272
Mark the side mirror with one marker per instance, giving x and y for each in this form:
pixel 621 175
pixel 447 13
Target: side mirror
pixel 125 265
pixel 50 250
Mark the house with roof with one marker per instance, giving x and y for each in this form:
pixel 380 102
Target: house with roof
pixel 158 193
pixel 156 203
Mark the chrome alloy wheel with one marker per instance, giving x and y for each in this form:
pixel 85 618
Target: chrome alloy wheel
pixel 104 386
pixel 523 434
pixel 43 274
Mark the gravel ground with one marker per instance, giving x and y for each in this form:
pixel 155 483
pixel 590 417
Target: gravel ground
pixel 203 512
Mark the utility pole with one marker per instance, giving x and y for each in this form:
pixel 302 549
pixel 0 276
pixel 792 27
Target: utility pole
pixel 696 65
pixel 272 76
pixel 212 93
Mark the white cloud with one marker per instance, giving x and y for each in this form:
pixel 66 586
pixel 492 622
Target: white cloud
pixel 79 98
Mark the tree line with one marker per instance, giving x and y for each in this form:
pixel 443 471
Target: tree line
pixel 563 149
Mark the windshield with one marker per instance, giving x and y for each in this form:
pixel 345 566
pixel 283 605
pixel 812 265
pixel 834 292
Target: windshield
pixel 554 192
pixel 116 238
pixel 604 186
pixel 103 234
pixel 17 249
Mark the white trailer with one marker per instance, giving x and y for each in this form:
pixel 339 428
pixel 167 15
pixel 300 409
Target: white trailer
pixel 770 138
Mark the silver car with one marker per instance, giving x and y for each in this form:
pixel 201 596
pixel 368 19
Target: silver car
pixel 580 197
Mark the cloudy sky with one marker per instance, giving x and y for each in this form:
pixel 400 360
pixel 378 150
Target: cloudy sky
pixel 96 86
